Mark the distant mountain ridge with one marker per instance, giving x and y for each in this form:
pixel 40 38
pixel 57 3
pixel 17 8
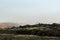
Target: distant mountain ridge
pixel 8 25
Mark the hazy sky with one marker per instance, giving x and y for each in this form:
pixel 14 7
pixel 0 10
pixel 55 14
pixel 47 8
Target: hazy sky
pixel 30 11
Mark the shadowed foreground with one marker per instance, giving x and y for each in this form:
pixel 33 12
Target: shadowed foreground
pixel 26 37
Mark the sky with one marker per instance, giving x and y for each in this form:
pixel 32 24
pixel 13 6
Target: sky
pixel 30 11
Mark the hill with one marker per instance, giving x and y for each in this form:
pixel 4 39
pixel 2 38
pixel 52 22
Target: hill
pixel 8 25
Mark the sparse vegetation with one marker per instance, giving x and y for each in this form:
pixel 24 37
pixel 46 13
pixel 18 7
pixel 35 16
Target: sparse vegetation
pixel 37 29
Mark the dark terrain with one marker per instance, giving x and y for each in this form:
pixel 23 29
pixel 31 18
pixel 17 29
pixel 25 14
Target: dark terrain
pixel 31 32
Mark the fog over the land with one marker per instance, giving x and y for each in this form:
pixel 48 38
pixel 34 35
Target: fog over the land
pixel 30 11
